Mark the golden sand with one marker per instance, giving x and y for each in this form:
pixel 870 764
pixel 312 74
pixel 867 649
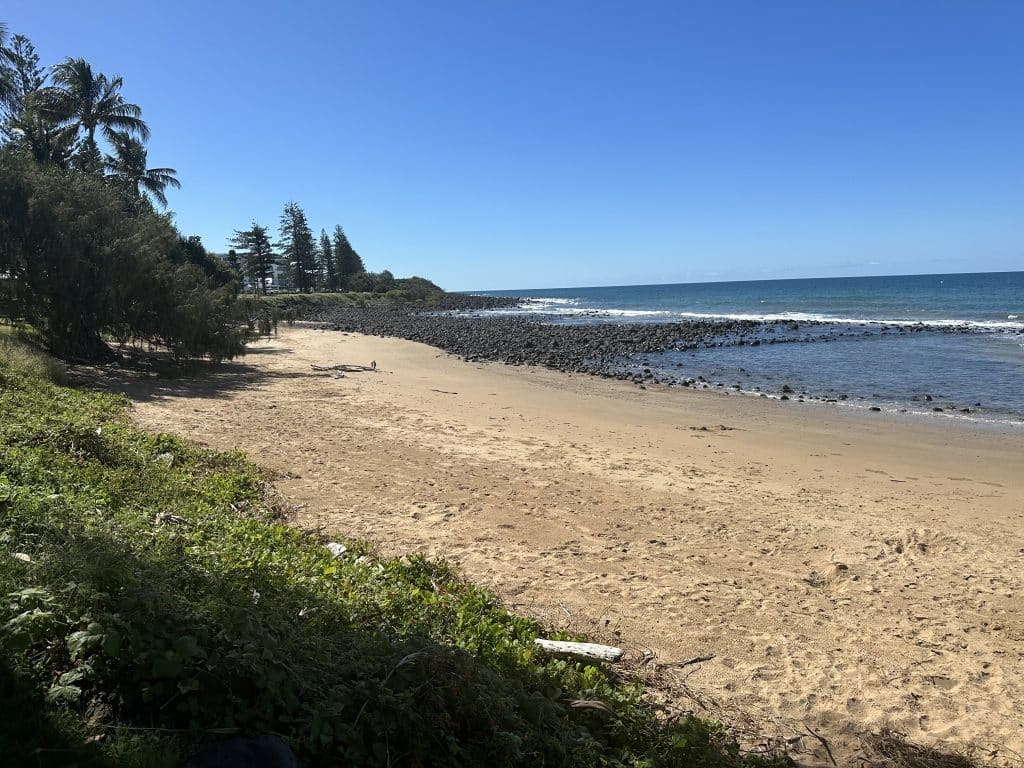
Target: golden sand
pixel 846 569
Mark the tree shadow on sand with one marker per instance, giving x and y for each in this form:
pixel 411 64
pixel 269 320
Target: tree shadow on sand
pixel 155 377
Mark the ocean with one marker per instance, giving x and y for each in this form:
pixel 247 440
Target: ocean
pixel 857 341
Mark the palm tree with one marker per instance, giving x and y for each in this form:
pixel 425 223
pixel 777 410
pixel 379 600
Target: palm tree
pixel 128 164
pixel 90 102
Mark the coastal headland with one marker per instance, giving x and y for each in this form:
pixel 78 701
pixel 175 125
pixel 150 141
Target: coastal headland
pixel 841 570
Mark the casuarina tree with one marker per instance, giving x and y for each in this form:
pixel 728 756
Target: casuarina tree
pixel 79 265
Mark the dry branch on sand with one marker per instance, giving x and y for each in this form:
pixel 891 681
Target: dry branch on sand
pixel 891 749
pixel 344 368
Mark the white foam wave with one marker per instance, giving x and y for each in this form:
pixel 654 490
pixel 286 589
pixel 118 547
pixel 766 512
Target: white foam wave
pixel 569 307
pixel 633 312
pixel 809 317
pixel 551 300
pixel 560 308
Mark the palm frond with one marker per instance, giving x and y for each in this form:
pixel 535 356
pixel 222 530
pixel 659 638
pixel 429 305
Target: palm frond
pixel 122 108
pixel 115 123
pixel 165 176
pixel 57 104
pixel 156 189
pixel 74 74
pixel 65 137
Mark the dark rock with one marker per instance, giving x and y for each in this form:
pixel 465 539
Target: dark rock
pixel 596 349
pixel 245 752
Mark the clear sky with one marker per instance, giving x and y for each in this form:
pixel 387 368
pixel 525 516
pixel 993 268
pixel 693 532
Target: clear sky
pixel 542 144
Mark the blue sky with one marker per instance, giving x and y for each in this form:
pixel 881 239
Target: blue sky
pixel 544 144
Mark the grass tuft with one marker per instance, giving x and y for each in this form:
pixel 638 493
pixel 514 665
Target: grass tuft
pixel 20 356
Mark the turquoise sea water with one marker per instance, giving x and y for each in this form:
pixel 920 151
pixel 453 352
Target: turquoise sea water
pixel 869 349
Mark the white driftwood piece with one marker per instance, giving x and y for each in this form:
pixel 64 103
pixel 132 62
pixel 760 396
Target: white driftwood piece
pixel 590 651
pixel 337 549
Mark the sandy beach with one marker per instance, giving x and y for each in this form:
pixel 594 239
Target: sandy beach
pixel 845 569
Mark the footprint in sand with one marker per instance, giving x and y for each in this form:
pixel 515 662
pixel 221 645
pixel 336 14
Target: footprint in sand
pixel 922 542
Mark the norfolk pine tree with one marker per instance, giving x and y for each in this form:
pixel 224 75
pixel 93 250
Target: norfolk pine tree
pixel 258 255
pixel 297 248
pixel 327 260
pixel 347 261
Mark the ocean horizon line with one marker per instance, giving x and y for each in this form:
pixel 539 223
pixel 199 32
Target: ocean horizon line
pixel 745 281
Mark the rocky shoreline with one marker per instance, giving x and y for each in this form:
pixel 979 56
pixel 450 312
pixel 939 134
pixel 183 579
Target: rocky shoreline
pixel 607 350
pixel 623 351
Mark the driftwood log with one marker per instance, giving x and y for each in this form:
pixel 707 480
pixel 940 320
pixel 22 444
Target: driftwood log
pixel 590 651
pixel 343 368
